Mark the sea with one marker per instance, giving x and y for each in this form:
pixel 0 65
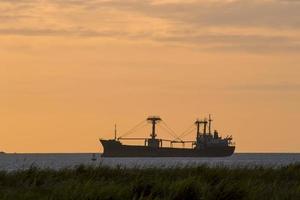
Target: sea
pixel 56 161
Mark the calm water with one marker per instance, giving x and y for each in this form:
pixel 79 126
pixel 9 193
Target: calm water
pixel 11 162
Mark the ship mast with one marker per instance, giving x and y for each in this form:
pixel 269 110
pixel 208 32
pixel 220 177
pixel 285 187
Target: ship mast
pixel 209 124
pixel 198 127
pixel 154 120
pixel 204 128
pixel 115 131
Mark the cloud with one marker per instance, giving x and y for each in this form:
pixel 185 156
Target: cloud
pixel 10 18
pixel 281 87
pixel 202 41
pixel 239 25
pixel 235 42
pixel 255 13
pixel 59 32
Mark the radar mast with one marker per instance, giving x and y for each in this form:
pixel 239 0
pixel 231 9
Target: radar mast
pixel 153 120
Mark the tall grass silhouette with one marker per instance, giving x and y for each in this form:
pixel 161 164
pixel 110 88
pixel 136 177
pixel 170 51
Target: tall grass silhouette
pixel 202 182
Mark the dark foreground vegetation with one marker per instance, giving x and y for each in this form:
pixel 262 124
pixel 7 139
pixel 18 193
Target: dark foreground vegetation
pixel 168 183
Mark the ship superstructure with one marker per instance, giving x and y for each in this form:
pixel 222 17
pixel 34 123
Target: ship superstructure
pixel 206 144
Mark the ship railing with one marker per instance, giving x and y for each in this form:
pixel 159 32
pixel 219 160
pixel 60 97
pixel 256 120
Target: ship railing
pixel 162 140
pixel 120 138
pixel 230 143
pixel 228 138
pixel 182 142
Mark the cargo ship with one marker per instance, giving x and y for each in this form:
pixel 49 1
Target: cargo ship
pixel 206 144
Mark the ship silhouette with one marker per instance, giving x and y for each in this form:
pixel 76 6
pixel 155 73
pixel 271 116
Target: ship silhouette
pixel 206 144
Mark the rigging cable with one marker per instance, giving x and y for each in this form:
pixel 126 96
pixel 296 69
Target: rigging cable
pixel 169 132
pixel 139 125
pixel 187 131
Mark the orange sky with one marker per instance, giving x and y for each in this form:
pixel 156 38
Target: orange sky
pixel 70 69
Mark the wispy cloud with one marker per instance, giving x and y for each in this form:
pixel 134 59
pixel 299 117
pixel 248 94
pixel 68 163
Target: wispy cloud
pixel 274 24
pixel 60 32
pixel 219 13
pixel 281 87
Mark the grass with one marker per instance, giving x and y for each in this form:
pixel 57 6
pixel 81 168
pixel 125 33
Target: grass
pixel 202 182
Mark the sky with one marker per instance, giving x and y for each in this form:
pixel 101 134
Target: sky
pixel 71 69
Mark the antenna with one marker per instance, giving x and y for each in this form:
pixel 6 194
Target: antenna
pixel 209 123
pixel 205 124
pixel 115 131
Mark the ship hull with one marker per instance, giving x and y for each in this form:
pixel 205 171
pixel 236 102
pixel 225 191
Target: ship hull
pixel 114 148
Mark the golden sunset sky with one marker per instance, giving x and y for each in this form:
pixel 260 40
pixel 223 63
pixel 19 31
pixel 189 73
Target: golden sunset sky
pixel 70 69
